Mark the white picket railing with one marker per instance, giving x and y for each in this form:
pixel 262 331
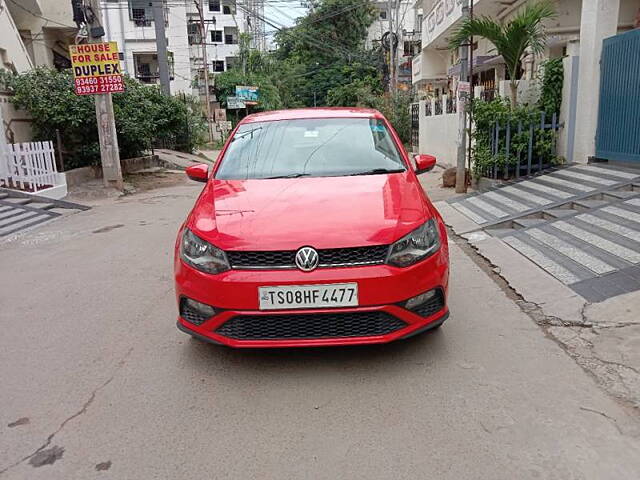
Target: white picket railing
pixel 28 166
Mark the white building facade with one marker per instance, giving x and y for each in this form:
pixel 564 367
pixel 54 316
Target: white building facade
pixel 224 22
pixel 131 24
pixel 406 18
pixel 33 33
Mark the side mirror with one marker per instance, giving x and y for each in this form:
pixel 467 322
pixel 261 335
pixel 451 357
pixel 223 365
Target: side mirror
pixel 424 163
pixel 199 172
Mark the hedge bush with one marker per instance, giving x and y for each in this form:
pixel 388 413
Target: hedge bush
pixel 143 116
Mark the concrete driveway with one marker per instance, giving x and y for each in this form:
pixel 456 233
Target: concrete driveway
pixel 98 383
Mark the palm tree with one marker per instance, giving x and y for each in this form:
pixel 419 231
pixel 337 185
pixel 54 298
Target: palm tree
pixel 512 39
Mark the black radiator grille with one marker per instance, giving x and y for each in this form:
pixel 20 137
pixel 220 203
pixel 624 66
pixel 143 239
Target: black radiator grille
pixel 328 257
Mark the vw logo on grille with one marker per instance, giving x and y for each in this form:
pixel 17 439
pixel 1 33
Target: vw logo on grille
pixel 307 259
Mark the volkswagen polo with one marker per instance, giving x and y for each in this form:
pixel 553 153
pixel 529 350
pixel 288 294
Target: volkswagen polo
pixel 312 229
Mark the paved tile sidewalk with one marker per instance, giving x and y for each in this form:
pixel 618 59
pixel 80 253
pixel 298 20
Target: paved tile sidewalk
pixel 580 224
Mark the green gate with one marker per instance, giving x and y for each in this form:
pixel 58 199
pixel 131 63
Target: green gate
pixel 618 135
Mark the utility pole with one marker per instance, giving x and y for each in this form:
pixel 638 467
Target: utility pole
pixel 472 92
pixel 161 45
pixel 461 177
pixel 203 42
pixel 392 50
pixel 105 118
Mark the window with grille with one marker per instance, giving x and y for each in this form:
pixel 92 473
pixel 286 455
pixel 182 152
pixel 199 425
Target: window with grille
pixel 140 12
pixel 193 31
pixel 216 36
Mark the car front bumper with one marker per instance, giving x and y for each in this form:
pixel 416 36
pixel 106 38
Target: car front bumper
pixel 382 291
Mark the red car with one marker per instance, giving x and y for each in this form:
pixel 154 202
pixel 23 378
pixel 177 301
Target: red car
pixel 312 230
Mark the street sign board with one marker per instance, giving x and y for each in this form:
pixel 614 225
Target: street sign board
pixel 234 103
pixel 220 115
pixel 244 92
pixel 96 68
pixel 464 89
pixel 223 126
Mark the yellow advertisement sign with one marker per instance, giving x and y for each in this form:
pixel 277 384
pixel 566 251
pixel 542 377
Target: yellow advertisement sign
pixel 96 68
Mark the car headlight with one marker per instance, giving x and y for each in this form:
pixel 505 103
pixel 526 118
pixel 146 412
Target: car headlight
pixel 202 255
pixel 417 245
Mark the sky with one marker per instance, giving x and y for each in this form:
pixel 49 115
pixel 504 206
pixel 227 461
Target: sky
pixel 281 13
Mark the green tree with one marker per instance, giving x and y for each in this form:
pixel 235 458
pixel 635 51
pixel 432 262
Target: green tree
pixel 525 31
pixel 142 115
pixel 325 50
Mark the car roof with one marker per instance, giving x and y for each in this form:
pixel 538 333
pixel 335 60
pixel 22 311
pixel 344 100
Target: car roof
pixel 321 112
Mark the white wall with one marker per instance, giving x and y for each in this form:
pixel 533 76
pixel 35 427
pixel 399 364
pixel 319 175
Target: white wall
pixel 13 53
pixel 599 21
pixel 438 135
pixel 18 122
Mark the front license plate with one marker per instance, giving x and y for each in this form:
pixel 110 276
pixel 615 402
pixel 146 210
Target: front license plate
pixel 308 296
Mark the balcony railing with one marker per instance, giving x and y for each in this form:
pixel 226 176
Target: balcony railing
pixel 452 105
pixel 437 106
pixel 440 106
pixel 488 95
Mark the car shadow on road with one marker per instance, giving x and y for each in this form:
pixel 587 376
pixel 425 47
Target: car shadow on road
pixel 423 349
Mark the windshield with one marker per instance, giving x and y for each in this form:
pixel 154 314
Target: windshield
pixel 321 147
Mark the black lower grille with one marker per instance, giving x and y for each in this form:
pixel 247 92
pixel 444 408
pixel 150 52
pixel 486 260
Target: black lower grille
pixel 433 305
pixel 327 257
pixel 321 325
pixel 190 314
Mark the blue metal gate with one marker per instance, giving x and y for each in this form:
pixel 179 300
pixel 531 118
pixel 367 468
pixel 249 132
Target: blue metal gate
pixel 618 135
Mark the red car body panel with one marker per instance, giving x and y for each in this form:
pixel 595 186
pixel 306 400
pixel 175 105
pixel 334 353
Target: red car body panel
pixel 322 212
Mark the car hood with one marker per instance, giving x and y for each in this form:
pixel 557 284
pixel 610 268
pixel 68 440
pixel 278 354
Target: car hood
pixel 325 212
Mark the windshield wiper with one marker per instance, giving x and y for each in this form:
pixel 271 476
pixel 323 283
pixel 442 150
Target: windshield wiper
pixel 376 171
pixel 291 175
pixel 239 136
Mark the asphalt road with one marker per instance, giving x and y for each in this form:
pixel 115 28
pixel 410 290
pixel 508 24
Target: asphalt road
pixel 97 382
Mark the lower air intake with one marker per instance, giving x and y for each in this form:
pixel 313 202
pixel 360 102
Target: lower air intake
pixel 321 325
pixel 431 306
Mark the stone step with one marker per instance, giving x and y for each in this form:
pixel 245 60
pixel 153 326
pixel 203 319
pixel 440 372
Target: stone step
pixel 23 222
pixel 589 204
pixel 559 212
pixel 528 222
pixel 620 194
pixel 3 195
pixel 18 200
pixel 18 217
pixel 500 232
pixel 42 205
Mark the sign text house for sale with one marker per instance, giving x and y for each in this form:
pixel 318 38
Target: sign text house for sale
pixel 96 68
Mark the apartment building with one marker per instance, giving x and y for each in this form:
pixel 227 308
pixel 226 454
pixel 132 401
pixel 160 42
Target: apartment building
pixel 575 34
pixel 224 22
pixel 406 17
pixel 131 24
